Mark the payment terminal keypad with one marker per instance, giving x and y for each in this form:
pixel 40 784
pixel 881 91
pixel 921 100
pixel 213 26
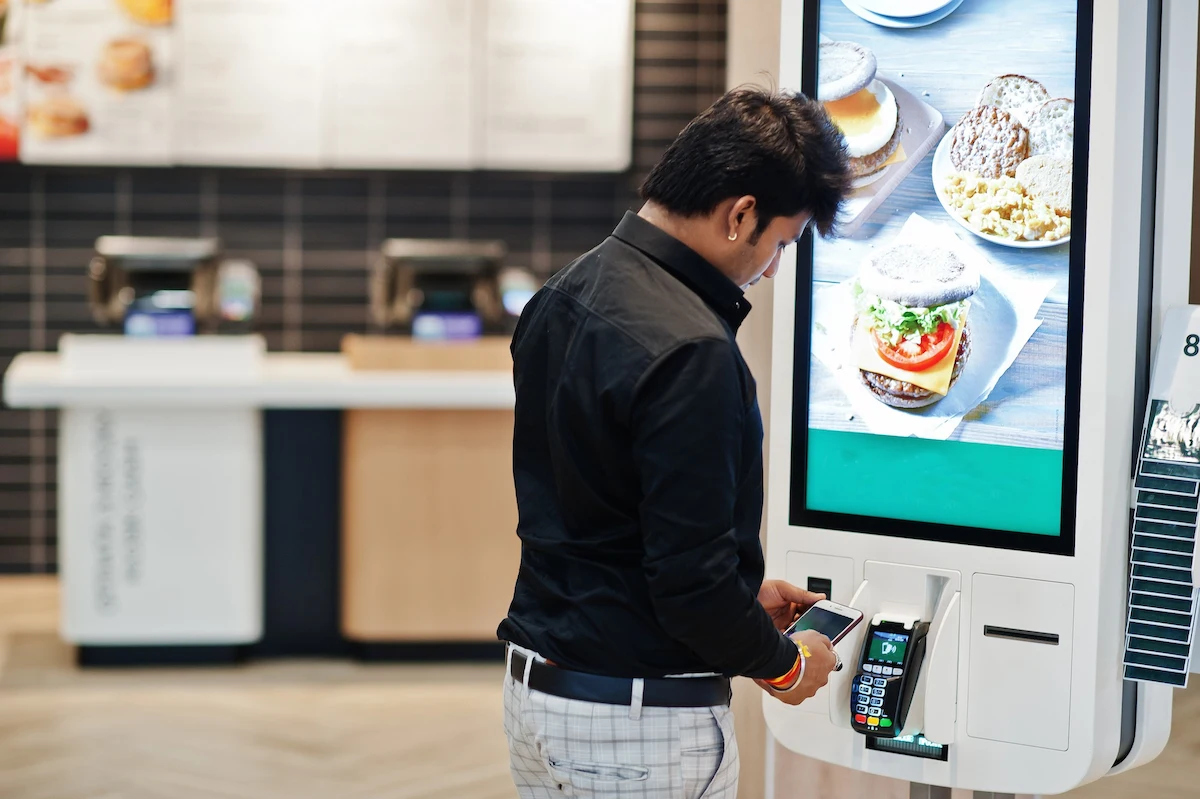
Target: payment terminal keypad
pixel 886 677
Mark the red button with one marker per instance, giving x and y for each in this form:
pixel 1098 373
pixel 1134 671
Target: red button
pixel 861 719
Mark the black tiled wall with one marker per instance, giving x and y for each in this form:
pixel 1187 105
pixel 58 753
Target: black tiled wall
pixel 311 235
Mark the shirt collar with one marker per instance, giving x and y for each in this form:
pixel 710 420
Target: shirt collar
pixel 683 262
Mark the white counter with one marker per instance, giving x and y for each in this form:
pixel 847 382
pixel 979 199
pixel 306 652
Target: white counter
pixel 306 380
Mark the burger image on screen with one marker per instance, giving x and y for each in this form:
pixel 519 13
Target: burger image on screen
pixel 911 336
pixel 863 107
pixel 126 65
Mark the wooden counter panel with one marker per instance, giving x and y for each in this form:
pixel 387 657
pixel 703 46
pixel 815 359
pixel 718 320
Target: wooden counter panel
pixel 430 551
pixel 373 353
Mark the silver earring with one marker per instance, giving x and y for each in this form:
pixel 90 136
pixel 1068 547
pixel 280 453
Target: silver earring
pixel 733 237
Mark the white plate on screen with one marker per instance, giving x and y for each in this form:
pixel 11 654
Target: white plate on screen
pixel 902 9
pixel 942 168
pixel 902 22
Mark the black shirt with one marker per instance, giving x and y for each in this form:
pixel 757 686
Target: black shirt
pixel 637 457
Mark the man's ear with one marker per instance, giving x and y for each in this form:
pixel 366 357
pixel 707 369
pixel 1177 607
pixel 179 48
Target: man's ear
pixel 742 218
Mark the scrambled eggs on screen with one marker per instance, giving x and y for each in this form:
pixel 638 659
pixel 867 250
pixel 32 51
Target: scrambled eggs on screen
pixel 1003 208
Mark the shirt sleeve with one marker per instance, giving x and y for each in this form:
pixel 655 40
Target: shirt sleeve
pixel 687 423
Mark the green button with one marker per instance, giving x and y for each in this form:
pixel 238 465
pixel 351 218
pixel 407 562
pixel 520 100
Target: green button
pixel 885 722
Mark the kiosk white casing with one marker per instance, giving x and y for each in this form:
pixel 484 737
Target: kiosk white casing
pixel 1018 717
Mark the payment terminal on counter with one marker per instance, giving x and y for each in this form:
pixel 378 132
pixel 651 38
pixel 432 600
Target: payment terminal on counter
pixel 958 395
pixel 168 287
pixel 446 289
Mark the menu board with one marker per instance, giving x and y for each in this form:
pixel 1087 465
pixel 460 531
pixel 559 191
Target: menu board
pixel 401 84
pixel 251 82
pixel 398 84
pixel 937 340
pixel 12 66
pixel 558 84
pixel 98 85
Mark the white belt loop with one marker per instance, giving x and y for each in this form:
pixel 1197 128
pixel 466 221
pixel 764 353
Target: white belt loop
pixel 508 650
pixel 635 703
pixel 528 668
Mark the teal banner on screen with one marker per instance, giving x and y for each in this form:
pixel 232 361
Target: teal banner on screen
pixel 942 482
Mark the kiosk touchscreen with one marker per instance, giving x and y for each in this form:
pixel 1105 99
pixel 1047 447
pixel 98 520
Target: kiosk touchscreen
pixel 938 344
pixel 953 407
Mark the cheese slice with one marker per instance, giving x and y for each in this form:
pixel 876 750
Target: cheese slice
pixel 898 157
pixel 935 379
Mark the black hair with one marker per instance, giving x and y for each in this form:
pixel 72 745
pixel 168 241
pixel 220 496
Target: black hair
pixel 779 147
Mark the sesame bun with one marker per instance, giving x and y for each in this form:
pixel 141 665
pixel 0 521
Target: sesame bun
pixel 919 275
pixel 1052 129
pixel 844 68
pixel 1016 94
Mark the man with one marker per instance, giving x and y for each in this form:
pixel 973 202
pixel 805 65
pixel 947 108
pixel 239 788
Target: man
pixel 638 470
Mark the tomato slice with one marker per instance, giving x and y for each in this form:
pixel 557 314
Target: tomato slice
pixel 934 347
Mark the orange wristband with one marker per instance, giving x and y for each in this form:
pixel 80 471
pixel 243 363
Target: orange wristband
pixel 790 677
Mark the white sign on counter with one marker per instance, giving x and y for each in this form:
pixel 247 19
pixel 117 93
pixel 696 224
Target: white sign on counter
pixel 558 77
pixel 160 525
pixel 398 84
pixel 98 82
pixel 251 80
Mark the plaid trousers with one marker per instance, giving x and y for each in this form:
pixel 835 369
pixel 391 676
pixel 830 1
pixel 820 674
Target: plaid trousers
pixel 568 748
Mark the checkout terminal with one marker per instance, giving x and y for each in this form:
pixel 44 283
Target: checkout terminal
pixel 957 448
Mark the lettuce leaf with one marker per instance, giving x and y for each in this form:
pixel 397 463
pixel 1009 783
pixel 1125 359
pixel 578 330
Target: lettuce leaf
pixel 894 323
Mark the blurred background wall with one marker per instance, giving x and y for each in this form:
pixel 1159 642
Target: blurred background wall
pixel 312 235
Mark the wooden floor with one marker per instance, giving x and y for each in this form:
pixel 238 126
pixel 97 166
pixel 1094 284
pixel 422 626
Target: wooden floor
pixel 307 730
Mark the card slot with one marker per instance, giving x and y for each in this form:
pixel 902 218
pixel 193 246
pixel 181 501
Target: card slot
pixel 1032 636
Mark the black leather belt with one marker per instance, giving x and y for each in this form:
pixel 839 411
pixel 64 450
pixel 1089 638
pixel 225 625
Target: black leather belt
pixel 657 692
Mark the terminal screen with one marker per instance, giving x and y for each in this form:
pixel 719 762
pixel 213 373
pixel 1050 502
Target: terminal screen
pixel 938 336
pixel 888 647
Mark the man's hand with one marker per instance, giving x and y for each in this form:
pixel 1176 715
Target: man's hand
pixel 816 668
pixel 784 601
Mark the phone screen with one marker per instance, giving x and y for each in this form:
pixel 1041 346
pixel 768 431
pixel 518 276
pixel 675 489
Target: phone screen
pixel 826 622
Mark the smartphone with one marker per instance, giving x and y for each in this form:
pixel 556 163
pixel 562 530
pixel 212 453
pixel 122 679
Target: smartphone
pixel 828 618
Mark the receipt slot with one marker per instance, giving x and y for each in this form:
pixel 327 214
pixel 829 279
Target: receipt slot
pixel 960 379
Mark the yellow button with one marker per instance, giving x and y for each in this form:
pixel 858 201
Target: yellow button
pixel 872 722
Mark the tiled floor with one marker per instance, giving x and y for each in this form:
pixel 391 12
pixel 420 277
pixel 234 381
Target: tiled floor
pixel 308 730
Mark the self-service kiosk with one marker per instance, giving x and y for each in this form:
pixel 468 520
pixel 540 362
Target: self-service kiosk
pixel 960 381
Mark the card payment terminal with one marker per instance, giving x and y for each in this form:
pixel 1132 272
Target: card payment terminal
pixel 887 674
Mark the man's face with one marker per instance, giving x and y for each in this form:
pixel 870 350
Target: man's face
pixel 759 259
